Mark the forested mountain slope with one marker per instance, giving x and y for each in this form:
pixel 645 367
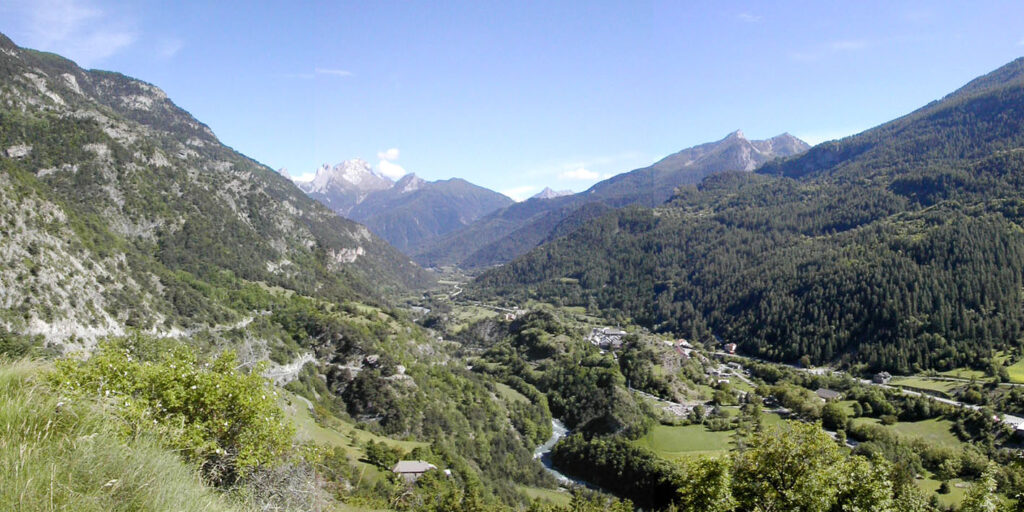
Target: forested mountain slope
pixel 120 209
pixel 901 247
pixel 514 230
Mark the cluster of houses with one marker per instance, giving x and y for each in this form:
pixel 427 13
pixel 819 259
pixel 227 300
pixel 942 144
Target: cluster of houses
pixel 606 338
pixel 682 347
pixel 722 373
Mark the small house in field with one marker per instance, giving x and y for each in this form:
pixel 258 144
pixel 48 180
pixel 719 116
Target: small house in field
pixel 412 470
pixel 828 395
pixel 730 348
pixel 881 378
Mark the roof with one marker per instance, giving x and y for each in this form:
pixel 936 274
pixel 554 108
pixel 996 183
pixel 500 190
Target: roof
pixel 827 394
pixel 412 466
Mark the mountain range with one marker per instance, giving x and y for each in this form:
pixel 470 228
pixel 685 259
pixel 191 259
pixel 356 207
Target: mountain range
pixel 899 248
pixel 408 212
pixel 119 209
pixel 512 231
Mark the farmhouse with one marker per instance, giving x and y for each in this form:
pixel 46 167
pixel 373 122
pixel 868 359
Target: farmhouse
pixel 881 378
pixel 411 470
pixel 828 395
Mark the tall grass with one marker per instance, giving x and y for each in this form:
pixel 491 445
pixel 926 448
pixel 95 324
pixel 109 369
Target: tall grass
pixel 68 456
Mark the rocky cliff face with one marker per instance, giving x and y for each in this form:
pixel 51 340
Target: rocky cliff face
pixel 116 204
pixel 343 186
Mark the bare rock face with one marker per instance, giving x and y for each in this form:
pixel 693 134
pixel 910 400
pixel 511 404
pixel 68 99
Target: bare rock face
pixel 549 193
pixel 341 187
pixel 110 193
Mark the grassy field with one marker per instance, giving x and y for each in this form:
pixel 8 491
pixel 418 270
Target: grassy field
pixel 510 394
pixel 935 430
pixel 676 442
pixel 955 496
pixel 965 373
pixel 847 405
pixel 463 315
pixel 942 387
pixel 340 434
pixel 550 495
pixel 1016 371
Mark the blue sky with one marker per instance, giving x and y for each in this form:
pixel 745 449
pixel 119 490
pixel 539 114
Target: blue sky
pixel 517 95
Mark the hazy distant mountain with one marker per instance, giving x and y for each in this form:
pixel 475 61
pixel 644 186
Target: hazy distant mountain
pixel 514 230
pixel 407 213
pixel 414 211
pixel 653 185
pixel 548 193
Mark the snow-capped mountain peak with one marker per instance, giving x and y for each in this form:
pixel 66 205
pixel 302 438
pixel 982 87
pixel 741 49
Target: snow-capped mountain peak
pixel 355 174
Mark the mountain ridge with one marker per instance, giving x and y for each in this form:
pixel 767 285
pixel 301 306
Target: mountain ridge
pixel 507 233
pixel 408 212
pixel 118 184
pixel 898 248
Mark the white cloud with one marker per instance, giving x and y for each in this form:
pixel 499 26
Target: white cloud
pixel 579 174
pixel 73 28
pixel 389 154
pixel 169 47
pixel 521 193
pixel 816 138
pixel 391 170
pixel 307 177
pixel 850 45
pixel 319 72
pixel 748 17
pixel 332 72
pixel 833 47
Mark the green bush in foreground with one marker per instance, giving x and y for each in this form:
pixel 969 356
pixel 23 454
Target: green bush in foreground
pixel 59 455
pixel 213 414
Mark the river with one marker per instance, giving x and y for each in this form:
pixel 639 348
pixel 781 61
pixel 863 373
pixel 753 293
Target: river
pixel 543 452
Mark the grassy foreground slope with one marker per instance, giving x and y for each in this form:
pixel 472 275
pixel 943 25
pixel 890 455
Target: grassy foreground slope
pixel 68 456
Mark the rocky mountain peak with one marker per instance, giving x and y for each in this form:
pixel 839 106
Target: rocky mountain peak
pixel 548 193
pixel 409 183
pixel 356 175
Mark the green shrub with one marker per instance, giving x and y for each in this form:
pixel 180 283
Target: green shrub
pixel 57 454
pixel 215 415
